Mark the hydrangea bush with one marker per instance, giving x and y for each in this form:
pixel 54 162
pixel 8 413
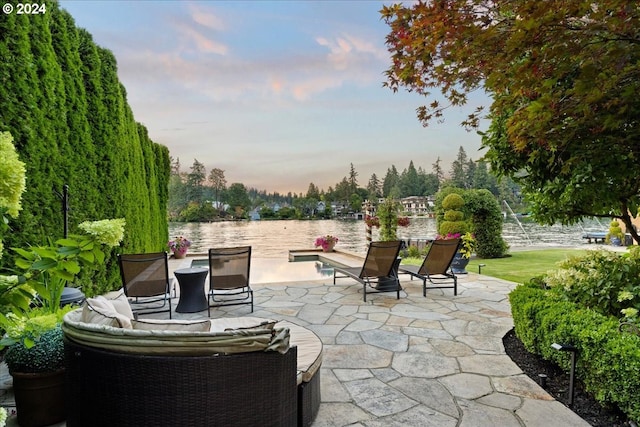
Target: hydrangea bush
pixel 605 281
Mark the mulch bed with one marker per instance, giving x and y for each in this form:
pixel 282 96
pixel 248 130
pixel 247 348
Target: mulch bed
pixel 557 385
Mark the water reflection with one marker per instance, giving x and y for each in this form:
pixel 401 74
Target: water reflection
pixel 273 239
pixel 271 270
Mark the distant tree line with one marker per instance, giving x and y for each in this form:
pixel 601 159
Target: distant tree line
pixel 67 111
pixel 197 196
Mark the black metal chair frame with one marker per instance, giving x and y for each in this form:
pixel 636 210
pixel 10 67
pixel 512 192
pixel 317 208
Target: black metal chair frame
pixel 240 294
pixel 150 299
pixel 373 272
pixel 436 266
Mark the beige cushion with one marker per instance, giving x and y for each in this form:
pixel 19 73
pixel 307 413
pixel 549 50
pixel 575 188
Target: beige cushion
pixel 267 324
pixel 121 304
pixel 309 350
pixel 173 325
pixel 173 342
pixel 102 311
pixel 96 318
pixel 239 323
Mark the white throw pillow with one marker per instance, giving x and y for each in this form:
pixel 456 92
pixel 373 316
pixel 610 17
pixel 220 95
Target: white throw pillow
pixel 97 310
pixel 121 304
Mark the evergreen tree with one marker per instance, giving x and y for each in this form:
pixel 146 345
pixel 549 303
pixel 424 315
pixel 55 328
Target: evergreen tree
pixel 437 170
pixel 238 199
pixel 390 182
pixel 410 183
pixel 218 183
pixel 313 192
pixel 67 110
pixel 353 179
pixel 374 188
pixel 483 179
pixel 458 173
pixel 431 184
pixel 195 181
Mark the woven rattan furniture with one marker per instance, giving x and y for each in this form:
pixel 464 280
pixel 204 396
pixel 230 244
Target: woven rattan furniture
pixel 239 372
pixel 106 388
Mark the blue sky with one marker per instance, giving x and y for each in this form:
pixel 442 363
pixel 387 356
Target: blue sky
pixel 278 94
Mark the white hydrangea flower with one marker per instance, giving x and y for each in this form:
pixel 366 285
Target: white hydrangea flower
pixel 107 231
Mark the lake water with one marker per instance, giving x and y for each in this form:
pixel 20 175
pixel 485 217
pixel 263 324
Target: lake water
pixel 274 239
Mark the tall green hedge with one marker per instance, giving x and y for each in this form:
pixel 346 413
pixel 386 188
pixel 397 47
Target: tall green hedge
pixel 68 113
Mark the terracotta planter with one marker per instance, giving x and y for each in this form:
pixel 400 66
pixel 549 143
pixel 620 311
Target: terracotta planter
pixel 39 398
pixel 180 254
pixel 329 247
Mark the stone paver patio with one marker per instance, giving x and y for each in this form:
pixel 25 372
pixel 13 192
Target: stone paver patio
pixel 416 361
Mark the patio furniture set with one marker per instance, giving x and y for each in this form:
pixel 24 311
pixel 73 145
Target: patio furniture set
pixel 381 268
pixel 126 371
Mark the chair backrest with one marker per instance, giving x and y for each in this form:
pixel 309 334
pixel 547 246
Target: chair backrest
pixel 380 259
pixel 439 257
pixel 229 267
pixel 144 275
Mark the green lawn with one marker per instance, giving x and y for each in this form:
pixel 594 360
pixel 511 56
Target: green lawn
pixel 520 266
pixel 523 265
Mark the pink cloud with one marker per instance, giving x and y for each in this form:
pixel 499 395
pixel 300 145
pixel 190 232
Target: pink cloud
pixel 206 18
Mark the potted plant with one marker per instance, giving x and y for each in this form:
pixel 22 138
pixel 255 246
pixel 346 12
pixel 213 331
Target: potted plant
pixel 326 242
pixel 179 246
pixel 33 337
pixel 615 236
pixel 35 359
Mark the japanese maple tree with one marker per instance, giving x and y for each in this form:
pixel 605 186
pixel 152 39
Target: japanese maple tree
pixel 564 80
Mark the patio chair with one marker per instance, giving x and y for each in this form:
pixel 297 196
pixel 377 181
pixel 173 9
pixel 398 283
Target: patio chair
pixel 146 282
pixel 436 266
pixel 229 276
pixel 379 268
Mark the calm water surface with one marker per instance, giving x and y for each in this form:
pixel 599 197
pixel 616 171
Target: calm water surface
pixel 273 239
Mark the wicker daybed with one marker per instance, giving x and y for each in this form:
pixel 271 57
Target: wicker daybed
pixel 223 372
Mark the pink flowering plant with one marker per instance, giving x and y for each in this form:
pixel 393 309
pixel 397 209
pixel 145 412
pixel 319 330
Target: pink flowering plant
pixel 326 241
pixel 467 242
pixel 179 244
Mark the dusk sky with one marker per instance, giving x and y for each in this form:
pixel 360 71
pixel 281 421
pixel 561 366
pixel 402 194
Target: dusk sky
pixel 278 94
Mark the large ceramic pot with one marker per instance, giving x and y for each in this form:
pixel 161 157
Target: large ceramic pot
pixel 39 398
pixel 459 264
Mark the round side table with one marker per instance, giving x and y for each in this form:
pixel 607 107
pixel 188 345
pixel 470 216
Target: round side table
pixel 192 295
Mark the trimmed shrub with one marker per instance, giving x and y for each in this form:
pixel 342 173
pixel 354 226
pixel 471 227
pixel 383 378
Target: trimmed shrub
pixel 486 220
pixel 453 219
pixel 608 360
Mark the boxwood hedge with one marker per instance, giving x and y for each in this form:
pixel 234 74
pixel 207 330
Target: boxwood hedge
pixel 608 361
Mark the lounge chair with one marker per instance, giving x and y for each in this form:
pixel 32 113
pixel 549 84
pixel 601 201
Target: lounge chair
pixel 436 266
pixel 379 268
pixel 229 276
pixel 146 282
